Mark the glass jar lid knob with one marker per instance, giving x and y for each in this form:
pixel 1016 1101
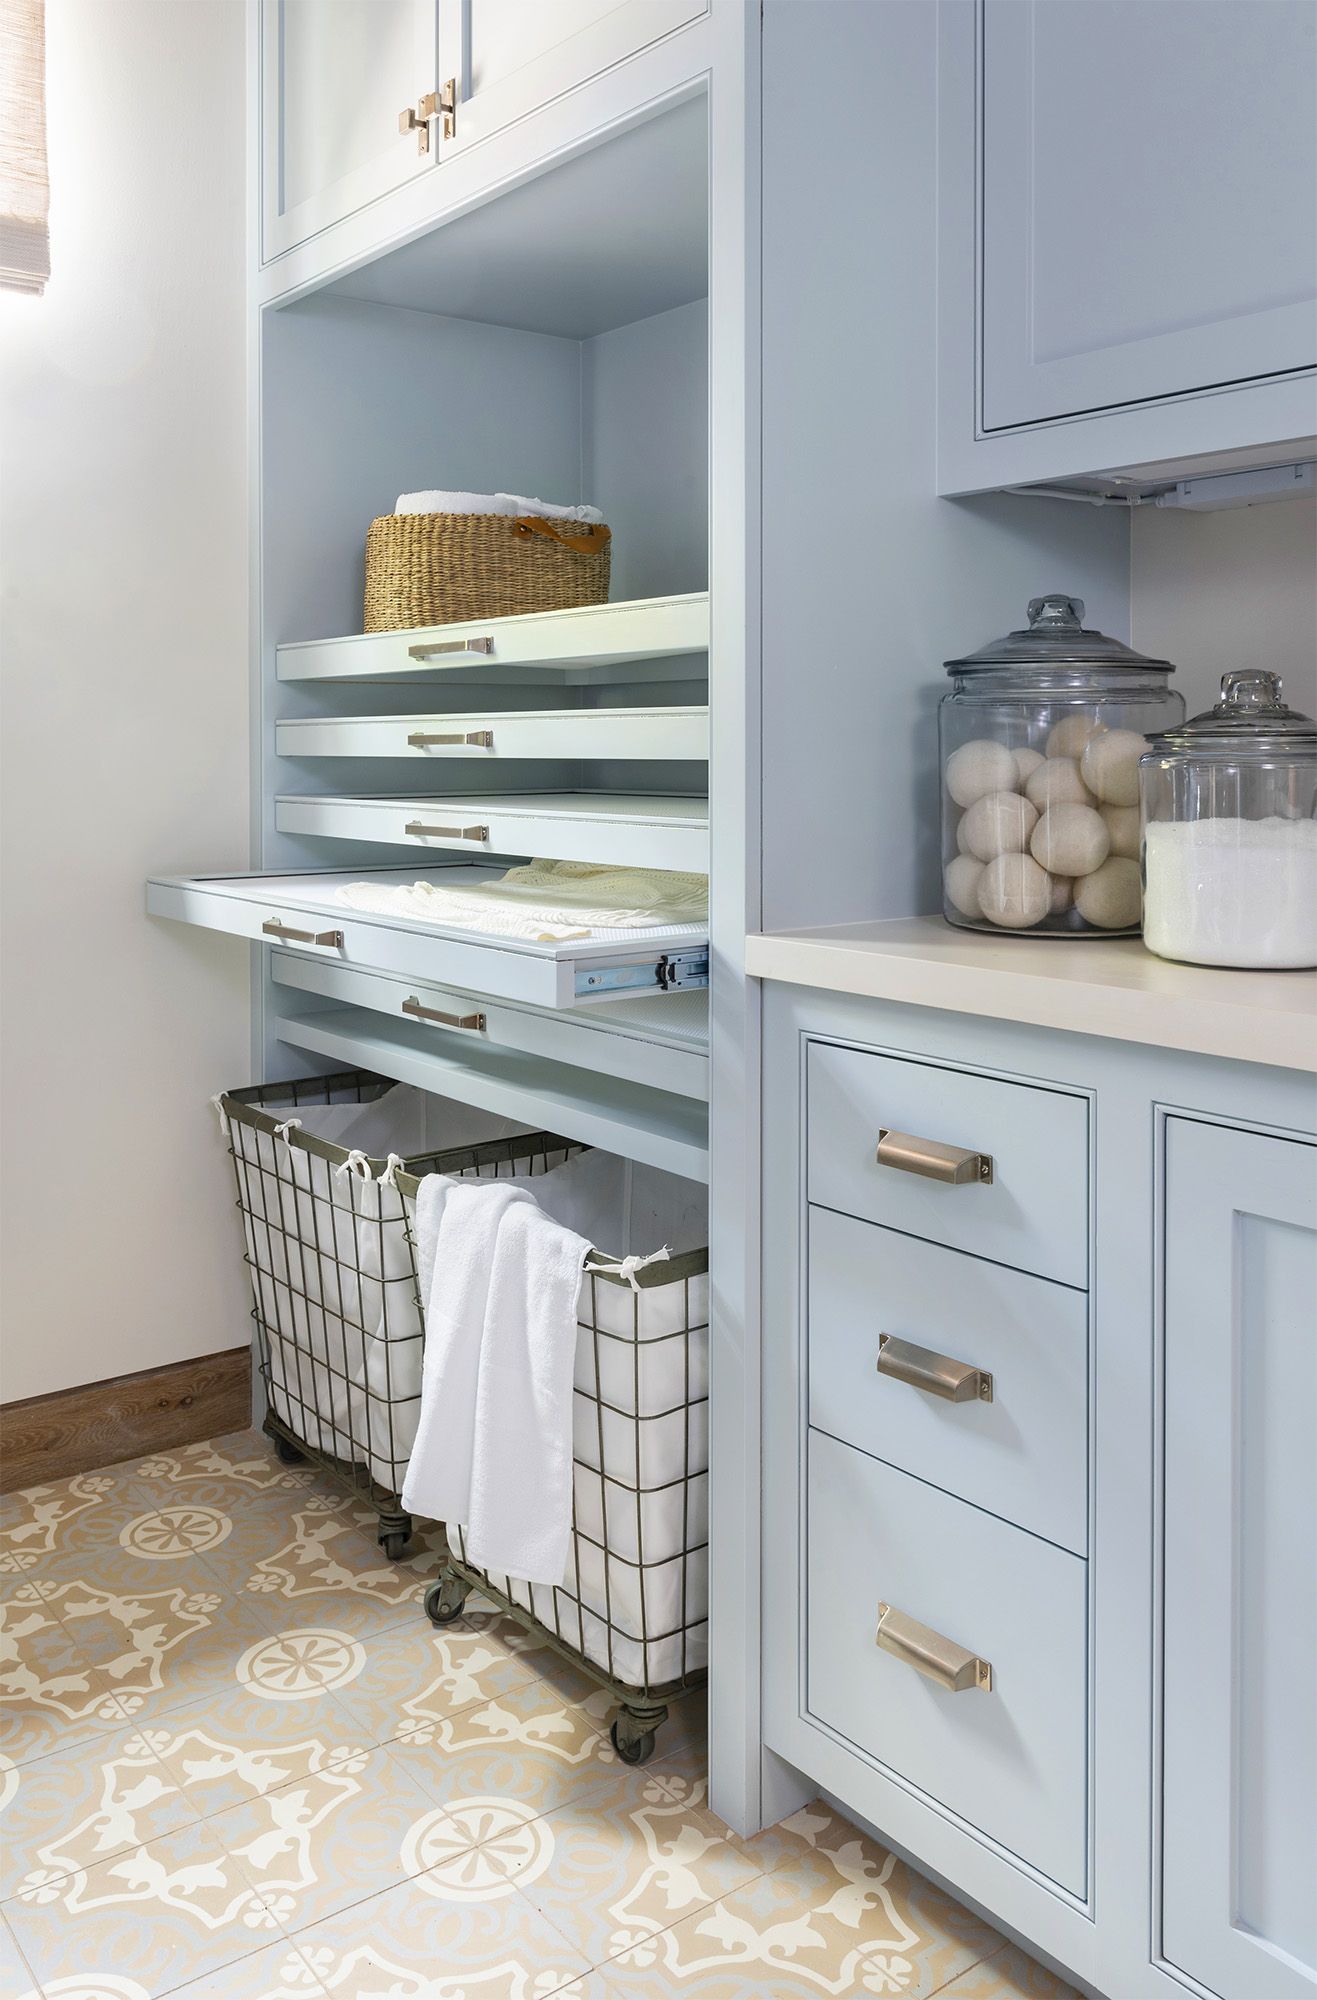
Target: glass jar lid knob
pixel 1250 691
pixel 1056 614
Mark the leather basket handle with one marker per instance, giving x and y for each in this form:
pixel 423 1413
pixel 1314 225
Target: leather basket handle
pixel 581 537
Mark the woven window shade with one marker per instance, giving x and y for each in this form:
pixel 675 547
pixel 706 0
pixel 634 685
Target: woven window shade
pixel 24 181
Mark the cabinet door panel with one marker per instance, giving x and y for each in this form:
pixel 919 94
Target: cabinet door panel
pixel 1149 200
pixel 512 56
pixel 334 76
pixel 1240 1716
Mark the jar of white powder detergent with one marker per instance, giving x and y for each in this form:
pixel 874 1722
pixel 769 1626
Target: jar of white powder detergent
pixel 1229 808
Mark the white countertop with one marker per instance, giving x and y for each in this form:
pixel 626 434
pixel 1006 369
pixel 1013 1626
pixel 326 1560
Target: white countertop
pixel 1091 986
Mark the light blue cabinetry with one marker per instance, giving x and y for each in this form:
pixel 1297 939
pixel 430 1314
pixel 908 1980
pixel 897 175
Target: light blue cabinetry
pixel 1124 1534
pixel 1239 1657
pixel 1101 156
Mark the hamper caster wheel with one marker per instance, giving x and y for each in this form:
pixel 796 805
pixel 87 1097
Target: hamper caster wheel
pixel 288 1454
pixel 444 1600
pixel 394 1545
pixel 633 1746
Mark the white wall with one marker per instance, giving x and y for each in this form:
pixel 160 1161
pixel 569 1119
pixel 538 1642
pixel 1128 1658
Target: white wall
pixel 1234 589
pixel 123 540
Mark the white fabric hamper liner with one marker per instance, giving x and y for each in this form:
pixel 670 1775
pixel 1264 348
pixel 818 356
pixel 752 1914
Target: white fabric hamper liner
pixel 333 1273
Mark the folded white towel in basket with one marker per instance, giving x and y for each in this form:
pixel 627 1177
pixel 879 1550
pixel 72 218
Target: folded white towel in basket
pixel 493 1453
pixel 434 500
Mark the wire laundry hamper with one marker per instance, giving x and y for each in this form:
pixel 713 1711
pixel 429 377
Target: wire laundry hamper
pixel 632 1611
pixel 331 1249
pixel 335 1295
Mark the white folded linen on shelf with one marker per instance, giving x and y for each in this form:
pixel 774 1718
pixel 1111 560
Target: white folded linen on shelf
pixel 434 500
pixel 550 901
pixel 493 1448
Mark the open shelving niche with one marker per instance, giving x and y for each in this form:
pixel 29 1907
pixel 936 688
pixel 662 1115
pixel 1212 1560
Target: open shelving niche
pixel 551 342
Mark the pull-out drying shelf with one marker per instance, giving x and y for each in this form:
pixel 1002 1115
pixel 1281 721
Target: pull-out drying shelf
pixel 647 639
pixel 662 1043
pixel 627 830
pixel 619 1115
pixel 303 910
pixel 490 737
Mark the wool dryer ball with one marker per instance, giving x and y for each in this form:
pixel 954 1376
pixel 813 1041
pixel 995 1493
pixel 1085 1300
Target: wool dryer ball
pixel 1070 737
pixel 1110 766
pixel 978 768
pixel 1026 763
pixel 1110 896
pixel 1000 823
pixel 962 880
pixel 1057 782
pixel 1070 840
pixel 1123 826
pixel 1014 892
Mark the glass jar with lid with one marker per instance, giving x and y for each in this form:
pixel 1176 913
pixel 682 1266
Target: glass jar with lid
pixel 1041 737
pixel 1230 831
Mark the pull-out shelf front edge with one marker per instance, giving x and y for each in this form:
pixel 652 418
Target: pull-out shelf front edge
pixel 301 909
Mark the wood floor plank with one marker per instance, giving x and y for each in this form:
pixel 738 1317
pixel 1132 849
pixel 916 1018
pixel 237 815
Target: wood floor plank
pixel 79 1430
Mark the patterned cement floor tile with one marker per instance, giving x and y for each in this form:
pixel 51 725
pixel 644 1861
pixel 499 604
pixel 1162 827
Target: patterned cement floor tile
pixel 414 1675
pixel 77 1807
pixel 334 1837
pixel 430 1940
pixel 160 1647
pixel 156 1917
pixel 1008 1975
pixel 248 1739
pixel 278 1973
pixel 526 1745
pixel 633 1857
pixel 59 1526
pixel 16 1982
pixel 52 1695
pixel 245 1460
pixel 328 1568
pixel 864 1937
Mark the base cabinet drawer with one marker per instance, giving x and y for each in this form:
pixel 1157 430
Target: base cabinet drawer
pixel 961 1587
pixel 971 1376
pixel 1028 1207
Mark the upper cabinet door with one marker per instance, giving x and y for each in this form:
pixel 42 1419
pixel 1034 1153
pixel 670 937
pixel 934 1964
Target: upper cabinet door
pixel 1148 200
pixel 335 77
pixel 512 56
pixel 1239 1708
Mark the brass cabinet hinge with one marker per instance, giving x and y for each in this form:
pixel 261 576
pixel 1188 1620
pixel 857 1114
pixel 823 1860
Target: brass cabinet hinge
pixel 434 104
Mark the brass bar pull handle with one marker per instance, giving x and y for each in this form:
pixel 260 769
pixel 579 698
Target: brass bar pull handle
pixel 419 831
pixel 932 1160
pixel 425 739
pixel 435 649
pixel 272 927
pixel 475 1022
pixel 953 1667
pixel 936 1374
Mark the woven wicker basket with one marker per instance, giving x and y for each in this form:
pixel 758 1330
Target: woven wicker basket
pixel 438 569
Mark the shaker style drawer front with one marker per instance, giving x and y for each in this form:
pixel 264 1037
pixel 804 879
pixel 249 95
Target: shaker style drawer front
pixel 996 1168
pixel 965 1373
pixel 951 1648
pixel 640 831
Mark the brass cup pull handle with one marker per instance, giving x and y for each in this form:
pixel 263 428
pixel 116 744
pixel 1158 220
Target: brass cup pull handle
pixel 932 1160
pixel 272 927
pixel 474 1022
pixel 437 649
pixel 426 739
pixel 953 1667
pixel 936 1374
pixel 417 830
